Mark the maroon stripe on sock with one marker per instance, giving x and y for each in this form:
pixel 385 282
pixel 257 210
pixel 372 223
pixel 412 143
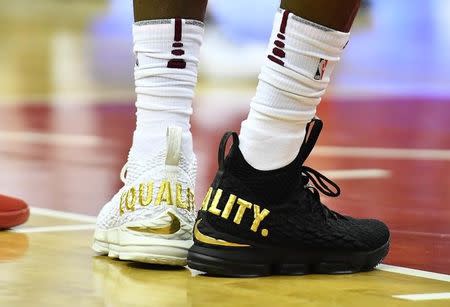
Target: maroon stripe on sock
pixel 278 52
pixel 284 22
pixel 177 45
pixel 178 24
pixel 279 44
pixel 178 52
pixel 177 63
pixel 276 60
pixel 281 36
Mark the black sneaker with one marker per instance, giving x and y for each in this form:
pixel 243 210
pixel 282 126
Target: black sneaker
pixel 257 223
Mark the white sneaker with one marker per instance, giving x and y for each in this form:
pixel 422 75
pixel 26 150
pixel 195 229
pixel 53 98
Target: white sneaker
pixel 151 218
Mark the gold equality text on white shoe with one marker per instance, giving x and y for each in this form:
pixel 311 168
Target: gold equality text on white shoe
pixel 151 218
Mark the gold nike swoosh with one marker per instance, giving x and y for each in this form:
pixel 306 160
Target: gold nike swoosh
pixel 169 229
pixel 213 241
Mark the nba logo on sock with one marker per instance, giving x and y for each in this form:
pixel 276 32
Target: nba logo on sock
pixel 321 69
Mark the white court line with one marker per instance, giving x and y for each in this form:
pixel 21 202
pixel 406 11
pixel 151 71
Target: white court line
pixel 91 219
pixel 388 153
pixel 63 215
pixel 356 92
pixel 413 272
pixel 89 98
pixel 357 173
pixel 59 228
pixel 424 296
pixel 51 138
pixel 334 151
pixel 421 233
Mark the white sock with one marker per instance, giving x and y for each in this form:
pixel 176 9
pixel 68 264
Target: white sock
pixel 294 77
pixel 167 54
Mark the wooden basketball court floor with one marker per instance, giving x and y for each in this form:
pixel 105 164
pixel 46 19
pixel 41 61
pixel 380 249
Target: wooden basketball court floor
pixel 63 142
pixel 387 167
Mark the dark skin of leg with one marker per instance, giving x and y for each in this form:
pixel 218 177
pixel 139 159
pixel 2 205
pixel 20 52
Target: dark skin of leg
pixel 334 14
pixel 153 9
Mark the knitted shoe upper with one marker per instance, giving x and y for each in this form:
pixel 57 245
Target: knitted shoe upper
pixel 296 218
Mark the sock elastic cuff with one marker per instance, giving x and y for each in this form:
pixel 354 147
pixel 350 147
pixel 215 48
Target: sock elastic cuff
pixel 169 21
pixel 177 30
pixel 297 26
pixel 164 29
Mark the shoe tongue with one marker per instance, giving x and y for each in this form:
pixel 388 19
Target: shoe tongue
pixel 173 145
pixel 169 157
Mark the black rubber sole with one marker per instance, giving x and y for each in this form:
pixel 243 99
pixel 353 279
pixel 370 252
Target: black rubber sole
pixel 255 262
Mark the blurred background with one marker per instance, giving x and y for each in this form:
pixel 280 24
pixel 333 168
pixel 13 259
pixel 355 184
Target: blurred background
pixel 83 49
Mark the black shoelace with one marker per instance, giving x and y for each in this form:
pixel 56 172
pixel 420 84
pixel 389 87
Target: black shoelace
pixel 319 182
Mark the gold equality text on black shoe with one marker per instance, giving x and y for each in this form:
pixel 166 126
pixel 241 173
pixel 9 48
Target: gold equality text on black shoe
pixel 258 223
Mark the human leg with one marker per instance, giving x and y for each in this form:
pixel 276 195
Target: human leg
pixel 150 219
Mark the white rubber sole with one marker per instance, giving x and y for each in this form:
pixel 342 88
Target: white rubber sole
pixel 117 243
